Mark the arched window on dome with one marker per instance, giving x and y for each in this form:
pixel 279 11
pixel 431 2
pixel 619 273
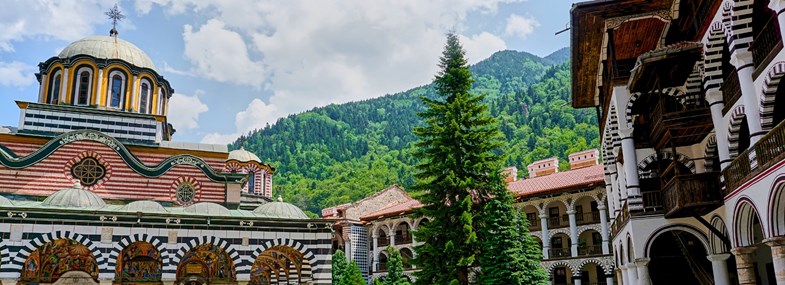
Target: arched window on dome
pixel 53 96
pixel 116 89
pixel 84 86
pixel 145 100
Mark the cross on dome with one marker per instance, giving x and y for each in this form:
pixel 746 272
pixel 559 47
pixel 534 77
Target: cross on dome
pixel 115 15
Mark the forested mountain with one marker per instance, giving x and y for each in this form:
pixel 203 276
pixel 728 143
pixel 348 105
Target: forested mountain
pixel 342 153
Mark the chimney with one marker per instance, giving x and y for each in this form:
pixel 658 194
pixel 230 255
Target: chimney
pixel 584 158
pixel 510 174
pixel 543 167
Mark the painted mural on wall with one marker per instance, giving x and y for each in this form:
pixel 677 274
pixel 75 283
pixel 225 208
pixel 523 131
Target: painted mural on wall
pixel 139 263
pixel 207 262
pixel 47 263
pixel 277 265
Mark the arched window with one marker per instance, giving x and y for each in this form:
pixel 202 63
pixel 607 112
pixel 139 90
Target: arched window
pixel 145 101
pixel 84 86
pixel 54 88
pixel 252 183
pixel 116 89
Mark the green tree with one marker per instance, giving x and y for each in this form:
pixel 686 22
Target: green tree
pixel 339 267
pixel 394 268
pixel 353 275
pixel 459 167
pixel 532 272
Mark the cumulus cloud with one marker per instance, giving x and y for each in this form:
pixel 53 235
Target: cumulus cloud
pixel 220 54
pixel 520 26
pixel 184 110
pixel 313 53
pixel 481 46
pixel 16 74
pixel 63 20
pixel 256 116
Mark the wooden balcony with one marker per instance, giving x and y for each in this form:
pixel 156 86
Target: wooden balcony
pixel 766 46
pixel 731 90
pixel 679 121
pixel 692 195
pixel 769 150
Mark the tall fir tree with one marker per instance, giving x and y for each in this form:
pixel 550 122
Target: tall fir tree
pixel 533 272
pixel 459 167
pixel 339 267
pixel 352 275
pixel 394 268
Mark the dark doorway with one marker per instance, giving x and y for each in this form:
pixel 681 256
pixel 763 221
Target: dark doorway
pixel 678 257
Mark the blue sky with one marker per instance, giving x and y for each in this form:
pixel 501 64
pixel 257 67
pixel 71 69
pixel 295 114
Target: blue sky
pixel 237 65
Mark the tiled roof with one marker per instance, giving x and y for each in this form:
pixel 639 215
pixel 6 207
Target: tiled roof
pixel 394 209
pixel 560 180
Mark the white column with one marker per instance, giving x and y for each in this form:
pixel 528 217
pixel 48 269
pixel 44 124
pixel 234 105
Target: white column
pixel 609 279
pixel 392 237
pixel 98 94
pixel 573 233
pixel 546 240
pixel 778 6
pixel 777 245
pixel 576 280
pixel 64 86
pixel 634 198
pixel 714 97
pixel 375 252
pixel 604 229
pixel 632 273
pixel 625 275
pixel 643 271
pixel 719 268
pixel 742 60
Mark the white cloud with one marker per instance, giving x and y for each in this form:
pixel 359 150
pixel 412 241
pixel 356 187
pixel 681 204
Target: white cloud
pixel 481 46
pixel 219 138
pixel 520 26
pixel 16 73
pixel 184 110
pixel 220 54
pixel 63 20
pixel 256 116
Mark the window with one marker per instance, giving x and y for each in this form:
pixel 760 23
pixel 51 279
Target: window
pixel 144 97
pixel 116 89
pixel 54 88
pixel 88 171
pixel 185 193
pixel 83 86
pixel 252 183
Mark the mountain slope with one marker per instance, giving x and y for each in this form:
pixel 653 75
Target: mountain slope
pixel 340 153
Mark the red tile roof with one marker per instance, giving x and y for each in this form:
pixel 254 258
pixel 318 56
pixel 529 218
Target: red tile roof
pixel 571 179
pixel 393 209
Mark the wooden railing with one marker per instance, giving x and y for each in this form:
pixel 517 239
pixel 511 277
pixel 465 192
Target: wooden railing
pixel 769 150
pixel 621 219
pixel 766 44
pixel 403 239
pixel 731 90
pixel 652 202
pixel 692 195
pixel 587 218
pixel 560 252
pixel 736 172
pixel 383 241
pixel 590 250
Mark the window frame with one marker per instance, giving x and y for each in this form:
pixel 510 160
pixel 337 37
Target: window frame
pixel 123 91
pixel 148 100
pixel 78 86
pixel 53 97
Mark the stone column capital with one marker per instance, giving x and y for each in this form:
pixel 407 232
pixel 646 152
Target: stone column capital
pixel 743 250
pixel 713 96
pixel 601 206
pixel 643 261
pixel 626 132
pixel 775 241
pixel 741 59
pixel 543 216
pixel 571 212
pixel 718 257
pixel 375 236
pixel 777 5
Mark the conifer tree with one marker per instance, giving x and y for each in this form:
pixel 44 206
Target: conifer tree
pixel 533 272
pixel 339 267
pixel 458 168
pixel 352 275
pixel 394 268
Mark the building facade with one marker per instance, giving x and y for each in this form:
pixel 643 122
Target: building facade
pixel 568 215
pixel 562 207
pixel 691 106
pixel 95 192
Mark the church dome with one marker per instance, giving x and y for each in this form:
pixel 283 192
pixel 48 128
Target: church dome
pixel 145 206
pixel 5 202
pixel 207 208
pixel 104 47
pixel 75 197
pixel 242 155
pixel 280 210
